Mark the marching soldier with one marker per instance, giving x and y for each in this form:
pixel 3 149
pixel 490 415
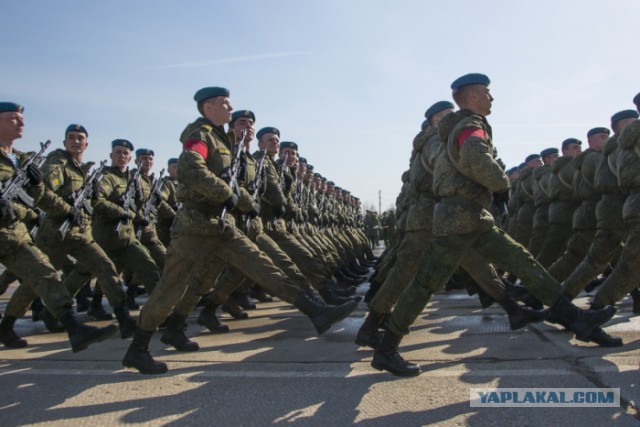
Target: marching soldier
pixel 18 253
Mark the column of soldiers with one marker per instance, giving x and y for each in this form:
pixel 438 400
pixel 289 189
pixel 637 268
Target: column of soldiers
pixel 575 213
pixel 226 220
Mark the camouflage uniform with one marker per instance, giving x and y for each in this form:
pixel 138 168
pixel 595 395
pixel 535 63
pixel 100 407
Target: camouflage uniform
pixel 64 176
pixel 200 248
pixel 166 216
pixel 611 228
pixel 465 176
pixel 626 273
pixel 526 208
pixel 541 201
pixel 123 248
pixel 584 217
pixel 20 256
pixel 563 204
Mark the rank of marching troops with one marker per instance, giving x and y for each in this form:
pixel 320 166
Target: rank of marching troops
pixel 227 221
pixel 570 216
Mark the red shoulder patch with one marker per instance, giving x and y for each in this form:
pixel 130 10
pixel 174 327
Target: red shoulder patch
pixel 197 146
pixel 468 133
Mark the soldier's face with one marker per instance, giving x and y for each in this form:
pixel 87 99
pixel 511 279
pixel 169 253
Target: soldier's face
pixel 270 143
pixel 11 126
pixel 548 159
pixel 120 157
pixel 534 163
pixel 292 159
pixel 597 141
pixel 435 119
pixel 218 110
pixel 145 163
pixel 484 100
pixel 173 170
pixel 246 124
pixel 571 150
pixel 75 142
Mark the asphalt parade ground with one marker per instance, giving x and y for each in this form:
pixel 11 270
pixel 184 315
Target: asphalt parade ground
pixel 272 370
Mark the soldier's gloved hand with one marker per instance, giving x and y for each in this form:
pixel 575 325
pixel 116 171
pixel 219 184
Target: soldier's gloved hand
pixel 127 216
pixel 34 174
pixel 254 212
pixel 279 211
pixel 231 202
pixel 6 211
pixel 143 222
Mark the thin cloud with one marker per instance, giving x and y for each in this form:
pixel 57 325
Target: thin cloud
pixel 210 62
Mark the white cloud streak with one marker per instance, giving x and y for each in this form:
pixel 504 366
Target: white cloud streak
pixel 197 64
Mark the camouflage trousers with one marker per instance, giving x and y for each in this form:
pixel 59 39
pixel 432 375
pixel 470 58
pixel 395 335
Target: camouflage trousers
pixel 443 258
pixel 90 258
pixel 577 248
pixel 539 230
pixel 233 278
pixel 20 256
pixel 555 243
pixel 192 260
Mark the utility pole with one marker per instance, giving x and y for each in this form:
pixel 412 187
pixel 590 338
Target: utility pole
pixel 379 202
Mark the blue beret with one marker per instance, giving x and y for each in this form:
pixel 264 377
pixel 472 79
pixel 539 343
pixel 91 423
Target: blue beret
pixel 636 99
pixel 121 143
pixel 337 188
pixel 571 141
pixel 209 92
pixel 470 79
pixel 172 161
pixel 424 125
pixel 144 152
pixel 288 144
pixel 267 130
pixel 310 167
pixel 242 113
pixel 12 107
pixel 595 131
pixel 75 128
pixel 436 108
pixel 624 114
pixel 317 175
pixel 531 157
pixel 331 183
pixel 521 165
pixel 549 151
pixel 512 170
pixel 302 160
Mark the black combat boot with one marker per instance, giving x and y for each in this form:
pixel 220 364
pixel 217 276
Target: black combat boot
pixel 8 336
pixel 132 291
pixel 635 295
pixel 96 310
pixel 36 307
pixel 603 339
pixel 138 355
pixel 82 336
pixel 231 307
pixel 243 300
pixel 386 357
pixel 209 320
pixel 323 315
pixel 582 322
pixel 82 298
pixel 50 322
pixel 258 293
pixel 126 323
pixel 174 334
pixel 369 334
pixel 330 297
pixel 520 316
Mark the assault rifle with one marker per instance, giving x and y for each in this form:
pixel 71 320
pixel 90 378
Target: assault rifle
pixel 81 198
pixel 255 186
pixel 149 206
pixel 129 197
pixel 233 176
pixel 14 187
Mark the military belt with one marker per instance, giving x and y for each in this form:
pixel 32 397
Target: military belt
pixel 462 202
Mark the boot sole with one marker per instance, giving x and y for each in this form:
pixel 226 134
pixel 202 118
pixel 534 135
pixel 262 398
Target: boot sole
pixel 107 332
pixel 222 330
pixel 158 371
pixel 584 336
pixel 326 326
pixel 394 372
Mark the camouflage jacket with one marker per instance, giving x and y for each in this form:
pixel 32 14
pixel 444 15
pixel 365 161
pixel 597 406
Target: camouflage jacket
pixel 23 213
pixel 272 200
pixel 420 214
pixel 108 210
pixel 466 175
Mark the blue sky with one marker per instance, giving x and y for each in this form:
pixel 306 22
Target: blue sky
pixel 349 81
